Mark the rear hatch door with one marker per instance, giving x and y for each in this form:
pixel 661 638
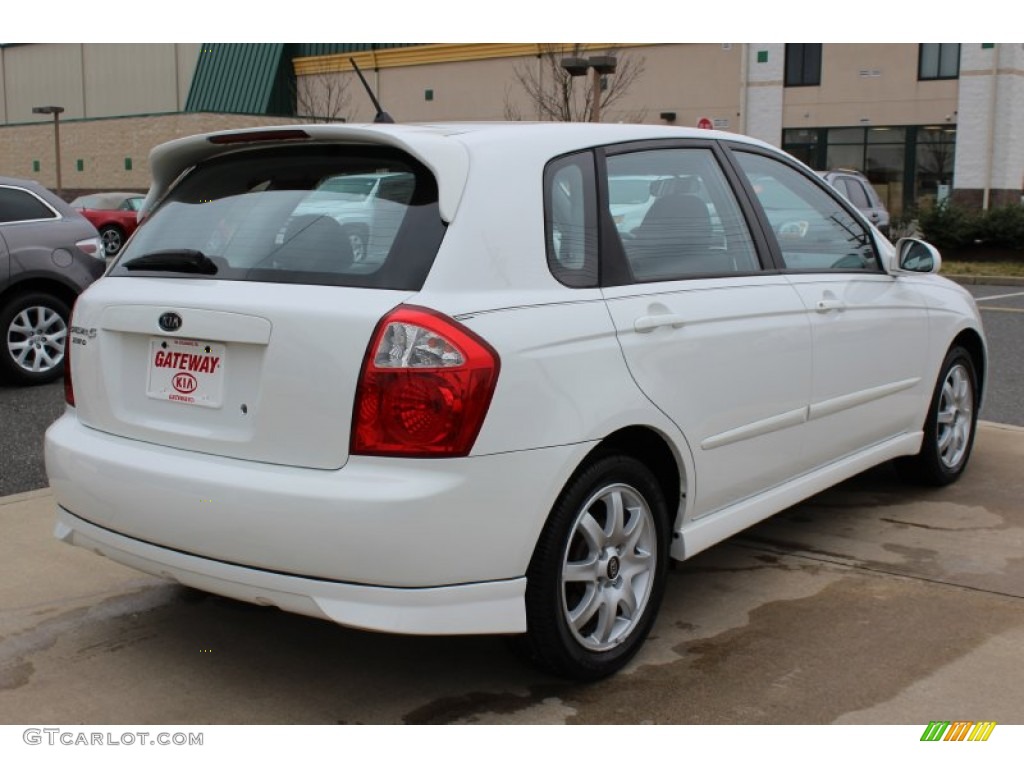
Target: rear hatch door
pixel 236 321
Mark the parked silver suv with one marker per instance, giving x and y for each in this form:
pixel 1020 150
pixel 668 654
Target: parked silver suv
pixel 49 253
pixel 855 187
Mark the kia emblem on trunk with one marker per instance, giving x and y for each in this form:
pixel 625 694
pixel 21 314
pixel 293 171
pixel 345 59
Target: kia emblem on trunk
pixel 169 321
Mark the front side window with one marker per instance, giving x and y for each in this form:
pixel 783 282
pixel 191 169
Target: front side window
pixel 19 205
pixel 938 61
pixel 803 64
pixel 676 215
pixel 353 216
pixel 813 231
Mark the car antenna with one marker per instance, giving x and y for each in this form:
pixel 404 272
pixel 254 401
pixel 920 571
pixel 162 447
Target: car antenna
pixel 381 116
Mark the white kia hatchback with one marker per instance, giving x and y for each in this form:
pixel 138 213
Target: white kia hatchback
pixel 513 418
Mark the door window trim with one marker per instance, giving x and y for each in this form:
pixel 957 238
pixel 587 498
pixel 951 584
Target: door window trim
pixel 765 225
pixel 56 214
pixel 615 269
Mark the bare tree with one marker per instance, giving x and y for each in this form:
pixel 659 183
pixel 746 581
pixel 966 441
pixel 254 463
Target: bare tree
pixel 936 156
pixel 558 96
pixel 323 98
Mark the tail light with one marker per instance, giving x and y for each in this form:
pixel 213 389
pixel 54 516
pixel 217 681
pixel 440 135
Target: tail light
pixel 425 387
pixel 92 246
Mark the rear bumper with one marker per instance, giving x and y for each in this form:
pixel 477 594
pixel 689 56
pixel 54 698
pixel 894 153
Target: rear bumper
pixel 489 608
pixel 378 536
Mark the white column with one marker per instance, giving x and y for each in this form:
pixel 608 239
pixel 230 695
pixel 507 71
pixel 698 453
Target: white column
pixel 764 92
pixel 990 121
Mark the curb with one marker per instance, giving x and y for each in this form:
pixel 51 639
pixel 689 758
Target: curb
pixel 984 280
pixel 17 498
pixel 1000 426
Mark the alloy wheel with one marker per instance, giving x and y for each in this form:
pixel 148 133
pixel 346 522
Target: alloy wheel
pixel 608 568
pixel 35 339
pixel 955 416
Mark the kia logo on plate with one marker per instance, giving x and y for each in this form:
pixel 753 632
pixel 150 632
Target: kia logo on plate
pixel 170 321
pixel 185 383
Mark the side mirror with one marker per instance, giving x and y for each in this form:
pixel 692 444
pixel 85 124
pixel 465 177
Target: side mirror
pixel 916 256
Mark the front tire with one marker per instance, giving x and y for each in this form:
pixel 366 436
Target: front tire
pixel 596 579
pixel 33 331
pixel 950 426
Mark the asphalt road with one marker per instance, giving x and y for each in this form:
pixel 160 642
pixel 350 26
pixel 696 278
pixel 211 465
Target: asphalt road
pixel 1002 313
pixel 25 413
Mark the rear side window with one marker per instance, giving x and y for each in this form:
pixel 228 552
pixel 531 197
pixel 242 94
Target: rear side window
pixel 854 192
pixel 570 220
pixel 19 205
pixel 676 215
pixel 351 216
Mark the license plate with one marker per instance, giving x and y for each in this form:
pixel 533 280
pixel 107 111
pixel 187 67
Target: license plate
pixel 186 371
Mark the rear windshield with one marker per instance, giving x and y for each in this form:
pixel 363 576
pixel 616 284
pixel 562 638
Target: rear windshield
pixel 320 215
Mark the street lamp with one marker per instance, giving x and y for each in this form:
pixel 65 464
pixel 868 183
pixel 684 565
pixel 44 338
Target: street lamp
pixel 600 65
pixel 55 111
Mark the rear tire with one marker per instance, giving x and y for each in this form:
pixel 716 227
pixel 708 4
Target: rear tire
pixel 357 239
pixel 950 426
pixel 113 240
pixel 596 579
pixel 33 331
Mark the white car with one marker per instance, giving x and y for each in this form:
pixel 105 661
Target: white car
pixel 511 422
pixel 364 204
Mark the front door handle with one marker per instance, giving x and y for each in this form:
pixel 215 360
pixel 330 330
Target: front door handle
pixel 648 323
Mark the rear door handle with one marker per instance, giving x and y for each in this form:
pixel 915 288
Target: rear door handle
pixel 829 305
pixel 648 323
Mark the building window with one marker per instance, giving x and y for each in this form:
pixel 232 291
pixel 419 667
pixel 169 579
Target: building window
pixel 938 61
pixel 803 64
pixel 908 166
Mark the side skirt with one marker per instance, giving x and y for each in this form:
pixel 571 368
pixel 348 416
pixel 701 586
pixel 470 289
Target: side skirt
pixel 700 534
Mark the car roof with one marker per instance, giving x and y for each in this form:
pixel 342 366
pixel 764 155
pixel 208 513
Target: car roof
pixel 100 199
pixel 35 186
pixel 840 172
pixel 445 148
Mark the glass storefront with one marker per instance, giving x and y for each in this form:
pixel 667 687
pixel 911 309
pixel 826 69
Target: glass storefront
pixel 909 166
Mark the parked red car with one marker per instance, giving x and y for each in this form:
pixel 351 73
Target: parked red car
pixel 114 214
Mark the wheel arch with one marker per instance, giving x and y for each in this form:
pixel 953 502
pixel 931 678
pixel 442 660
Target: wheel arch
pixel 54 287
pixel 971 341
pixel 654 450
pixel 359 226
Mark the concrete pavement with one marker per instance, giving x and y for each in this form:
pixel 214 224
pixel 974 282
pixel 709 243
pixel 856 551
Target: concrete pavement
pixel 873 602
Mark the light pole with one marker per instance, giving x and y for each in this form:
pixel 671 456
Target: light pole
pixel 599 65
pixel 55 111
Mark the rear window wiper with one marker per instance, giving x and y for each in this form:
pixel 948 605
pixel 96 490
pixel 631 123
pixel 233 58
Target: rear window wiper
pixel 174 260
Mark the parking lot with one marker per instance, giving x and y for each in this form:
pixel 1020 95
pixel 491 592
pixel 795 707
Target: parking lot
pixel 871 603
pixel 874 602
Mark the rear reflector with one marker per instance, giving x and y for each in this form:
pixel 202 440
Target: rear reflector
pixel 425 387
pixel 69 387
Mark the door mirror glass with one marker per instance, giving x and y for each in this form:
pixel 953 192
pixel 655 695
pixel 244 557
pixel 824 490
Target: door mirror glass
pixel 915 255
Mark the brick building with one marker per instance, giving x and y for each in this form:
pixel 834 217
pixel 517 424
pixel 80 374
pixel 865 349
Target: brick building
pixel 922 121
